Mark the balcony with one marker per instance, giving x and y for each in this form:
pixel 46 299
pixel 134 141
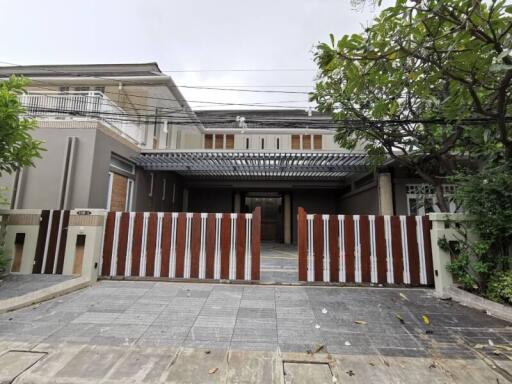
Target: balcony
pixel 84 106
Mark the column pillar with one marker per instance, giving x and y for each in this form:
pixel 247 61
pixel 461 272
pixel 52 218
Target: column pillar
pixel 385 194
pixel 287 219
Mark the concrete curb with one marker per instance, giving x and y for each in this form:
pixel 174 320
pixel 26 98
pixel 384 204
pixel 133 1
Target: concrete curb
pixel 497 310
pixel 44 294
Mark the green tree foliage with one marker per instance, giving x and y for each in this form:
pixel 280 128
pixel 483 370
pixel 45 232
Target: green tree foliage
pixel 17 147
pixel 427 85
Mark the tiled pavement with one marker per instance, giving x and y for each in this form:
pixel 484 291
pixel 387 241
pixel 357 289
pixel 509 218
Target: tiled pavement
pixel 266 318
pixel 279 263
pixel 17 285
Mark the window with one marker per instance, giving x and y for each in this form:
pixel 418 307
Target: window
pixel 121 164
pixel 421 198
pixel 208 141
pixel 129 195
pixel 295 141
pixel 317 141
pixel 156 136
pixel 247 143
pixel 219 141
pixel 262 143
pixel 277 143
pixel 306 142
pixel 230 141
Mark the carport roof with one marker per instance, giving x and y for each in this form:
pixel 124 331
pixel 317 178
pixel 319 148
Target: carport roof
pixel 311 165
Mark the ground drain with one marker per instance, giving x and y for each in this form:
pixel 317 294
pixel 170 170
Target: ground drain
pixel 14 363
pixel 307 372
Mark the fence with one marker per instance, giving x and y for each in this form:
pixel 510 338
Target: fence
pixel 182 245
pixel 365 249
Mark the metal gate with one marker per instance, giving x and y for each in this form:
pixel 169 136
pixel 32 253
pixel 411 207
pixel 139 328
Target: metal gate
pixel 182 245
pixel 365 249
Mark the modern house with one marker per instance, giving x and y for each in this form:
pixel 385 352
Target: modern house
pixel 122 137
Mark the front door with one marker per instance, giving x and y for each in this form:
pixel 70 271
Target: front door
pixel 271 216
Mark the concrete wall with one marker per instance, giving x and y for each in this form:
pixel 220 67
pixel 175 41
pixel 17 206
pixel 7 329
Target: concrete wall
pixel 210 200
pixel 364 201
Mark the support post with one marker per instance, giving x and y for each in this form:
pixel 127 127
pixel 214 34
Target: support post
pixel 302 244
pixel 84 243
pixel 287 219
pixel 385 190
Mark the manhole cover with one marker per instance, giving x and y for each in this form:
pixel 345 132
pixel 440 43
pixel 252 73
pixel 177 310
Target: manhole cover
pixel 14 363
pixel 307 373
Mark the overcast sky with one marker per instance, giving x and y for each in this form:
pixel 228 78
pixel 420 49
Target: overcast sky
pixel 188 35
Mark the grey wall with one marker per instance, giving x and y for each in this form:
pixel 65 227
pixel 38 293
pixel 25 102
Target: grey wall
pixel 210 200
pixel 364 201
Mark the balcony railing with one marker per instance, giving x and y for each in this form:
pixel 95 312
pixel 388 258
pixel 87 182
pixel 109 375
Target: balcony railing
pixel 83 105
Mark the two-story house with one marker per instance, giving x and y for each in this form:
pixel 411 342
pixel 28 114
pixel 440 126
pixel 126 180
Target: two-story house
pixel 122 137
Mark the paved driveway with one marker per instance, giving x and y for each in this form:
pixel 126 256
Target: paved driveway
pixel 293 319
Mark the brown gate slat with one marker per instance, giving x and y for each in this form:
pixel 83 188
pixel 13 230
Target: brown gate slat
pixel 255 244
pixel 396 239
pixel 180 243
pixel 349 249
pixel 62 243
pixel 195 245
pixel 412 246
pixel 108 243
pixel 225 244
pixel 166 244
pixel 137 243
pixel 428 250
pixel 302 244
pixel 364 231
pixel 151 243
pixel 318 247
pixel 334 262
pixel 41 241
pixel 240 246
pixel 52 242
pixel 210 245
pixel 380 239
pixel 122 243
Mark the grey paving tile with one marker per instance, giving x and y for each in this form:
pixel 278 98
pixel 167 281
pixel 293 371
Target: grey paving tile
pixel 96 317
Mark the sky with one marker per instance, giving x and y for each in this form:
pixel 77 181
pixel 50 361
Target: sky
pixel 207 39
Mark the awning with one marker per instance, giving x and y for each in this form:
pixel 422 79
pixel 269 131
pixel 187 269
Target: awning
pixel 255 165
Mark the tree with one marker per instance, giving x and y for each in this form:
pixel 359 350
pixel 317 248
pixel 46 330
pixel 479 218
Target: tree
pixel 428 85
pixel 17 147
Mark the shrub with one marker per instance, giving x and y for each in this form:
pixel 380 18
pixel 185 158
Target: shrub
pixel 500 287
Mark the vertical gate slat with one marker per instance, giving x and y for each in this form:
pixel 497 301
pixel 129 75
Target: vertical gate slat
pixel 137 243
pixel 180 243
pixel 349 249
pixel 396 239
pixel 41 241
pixel 108 243
pixel 255 244
pixel 195 239
pixel 166 244
pixel 364 230
pixel 122 243
pixel 318 248
pixel 240 246
pixel 225 243
pixel 210 245
pixel 334 252
pixel 428 250
pixel 151 244
pixel 302 244
pixel 62 243
pixel 412 245
pixel 52 243
pixel 381 249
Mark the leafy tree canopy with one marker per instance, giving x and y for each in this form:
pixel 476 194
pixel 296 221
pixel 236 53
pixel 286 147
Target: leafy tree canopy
pixel 17 147
pixel 429 81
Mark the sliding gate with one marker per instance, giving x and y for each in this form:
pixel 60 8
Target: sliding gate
pixel 182 245
pixel 365 249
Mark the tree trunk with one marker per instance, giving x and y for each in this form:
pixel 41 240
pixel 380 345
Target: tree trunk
pixel 442 203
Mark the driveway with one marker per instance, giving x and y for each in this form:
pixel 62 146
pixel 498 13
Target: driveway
pixel 302 322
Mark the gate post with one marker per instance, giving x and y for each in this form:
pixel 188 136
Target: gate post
pixel 302 244
pixel 256 241
pixel 84 243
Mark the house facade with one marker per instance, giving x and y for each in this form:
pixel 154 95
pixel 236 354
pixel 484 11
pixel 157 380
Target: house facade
pixel 123 138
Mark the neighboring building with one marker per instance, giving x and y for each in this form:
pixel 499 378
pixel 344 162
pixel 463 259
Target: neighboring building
pixel 122 137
